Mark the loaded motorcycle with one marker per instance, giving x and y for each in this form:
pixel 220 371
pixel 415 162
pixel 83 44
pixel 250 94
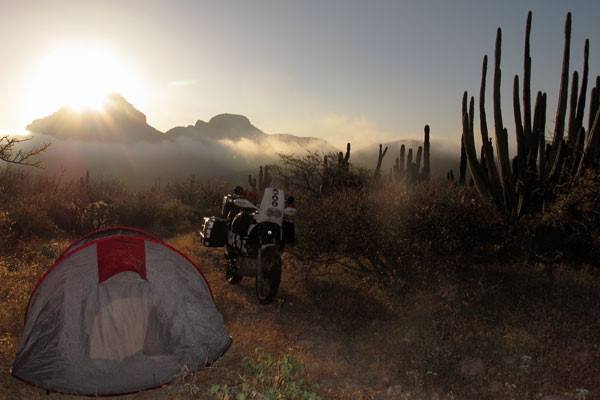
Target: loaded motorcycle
pixel 253 238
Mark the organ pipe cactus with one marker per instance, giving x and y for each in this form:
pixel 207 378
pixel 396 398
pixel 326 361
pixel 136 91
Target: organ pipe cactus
pixel 538 169
pixel 411 171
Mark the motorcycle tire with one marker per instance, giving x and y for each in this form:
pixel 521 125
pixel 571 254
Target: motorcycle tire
pixel 268 275
pixel 231 274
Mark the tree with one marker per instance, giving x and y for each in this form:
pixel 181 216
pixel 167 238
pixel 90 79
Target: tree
pixel 10 154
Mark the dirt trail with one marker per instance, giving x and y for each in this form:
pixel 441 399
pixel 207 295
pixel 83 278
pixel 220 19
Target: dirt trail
pixel 320 321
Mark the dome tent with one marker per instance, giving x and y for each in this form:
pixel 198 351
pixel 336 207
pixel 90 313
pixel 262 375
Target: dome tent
pixel 119 311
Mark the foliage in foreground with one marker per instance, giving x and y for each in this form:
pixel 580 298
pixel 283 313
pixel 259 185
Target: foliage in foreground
pixel 268 378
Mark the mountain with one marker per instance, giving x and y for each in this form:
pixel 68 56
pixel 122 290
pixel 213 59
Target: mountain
pixel 118 121
pixel 222 126
pixel 118 142
pixel 237 132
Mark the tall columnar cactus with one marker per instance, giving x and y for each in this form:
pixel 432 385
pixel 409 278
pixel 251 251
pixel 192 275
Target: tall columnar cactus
pixel 380 156
pixel 538 168
pixel 418 159
pixel 333 174
pixel 450 176
pixel 426 155
pixel 264 179
pixel 252 183
pixel 402 164
pixel 344 159
pixel 462 167
pixel 405 169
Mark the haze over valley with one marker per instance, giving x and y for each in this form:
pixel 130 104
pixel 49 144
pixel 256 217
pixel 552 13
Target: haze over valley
pixel 116 141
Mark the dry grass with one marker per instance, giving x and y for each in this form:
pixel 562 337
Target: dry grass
pixel 481 332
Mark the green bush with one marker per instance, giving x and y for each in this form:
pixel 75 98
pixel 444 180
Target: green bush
pixel 268 378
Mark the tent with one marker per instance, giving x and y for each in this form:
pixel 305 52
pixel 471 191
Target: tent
pixel 119 311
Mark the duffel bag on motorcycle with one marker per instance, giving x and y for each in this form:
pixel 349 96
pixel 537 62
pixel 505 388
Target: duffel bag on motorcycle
pixel 214 232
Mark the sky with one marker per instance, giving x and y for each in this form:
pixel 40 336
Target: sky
pixel 360 71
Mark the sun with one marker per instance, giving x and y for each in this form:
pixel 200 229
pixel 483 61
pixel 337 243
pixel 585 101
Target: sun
pixel 79 78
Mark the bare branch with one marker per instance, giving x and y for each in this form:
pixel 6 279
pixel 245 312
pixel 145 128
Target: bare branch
pixel 11 155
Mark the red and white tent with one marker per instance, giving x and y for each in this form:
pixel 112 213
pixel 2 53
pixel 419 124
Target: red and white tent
pixel 119 311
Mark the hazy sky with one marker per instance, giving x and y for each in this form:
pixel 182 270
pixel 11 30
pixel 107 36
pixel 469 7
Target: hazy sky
pixel 343 70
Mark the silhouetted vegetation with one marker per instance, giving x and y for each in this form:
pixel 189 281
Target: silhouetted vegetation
pixel 46 207
pixel 530 182
pixel 10 154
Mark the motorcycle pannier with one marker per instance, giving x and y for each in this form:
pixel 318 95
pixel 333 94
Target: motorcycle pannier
pixel 214 232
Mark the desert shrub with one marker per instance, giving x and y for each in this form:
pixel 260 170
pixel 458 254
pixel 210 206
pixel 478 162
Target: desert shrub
pixel 386 230
pixel 440 220
pixel 569 228
pixel 29 220
pixel 46 207
pixel 6 231
pixel 152 210
pixel 267 377
pixel 310 175
pixel 203 196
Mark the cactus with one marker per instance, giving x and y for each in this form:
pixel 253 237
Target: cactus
pixel 331 172
pixel 252 182
pixel 344 159
pixel 462 168
pixel 538 168
pixel 426 174
pixel 418 160
pixel 264 179
pixel 402 168
pixel 382 153
pixel 450 176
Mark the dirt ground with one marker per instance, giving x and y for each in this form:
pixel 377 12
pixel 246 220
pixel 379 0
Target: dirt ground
pixel 483 333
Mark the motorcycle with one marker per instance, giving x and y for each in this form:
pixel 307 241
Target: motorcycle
pixel 253 239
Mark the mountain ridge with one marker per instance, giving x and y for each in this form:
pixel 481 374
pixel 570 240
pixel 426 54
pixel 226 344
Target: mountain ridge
pixel 118 141
pixel 120 121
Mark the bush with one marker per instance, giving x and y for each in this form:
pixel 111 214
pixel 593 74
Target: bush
pixel 386 230
pixel 203 196
pixel 265 377
pixel 569 228
pixel 45 207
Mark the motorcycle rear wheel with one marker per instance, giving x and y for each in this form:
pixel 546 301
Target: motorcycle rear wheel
pixel 268 275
